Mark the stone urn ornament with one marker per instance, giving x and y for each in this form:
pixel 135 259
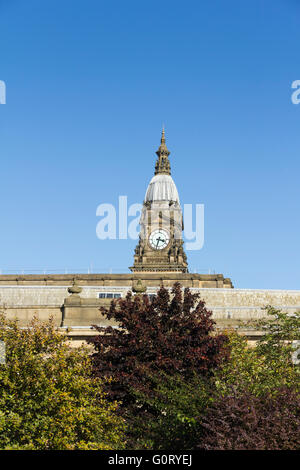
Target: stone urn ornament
pixel 75 289
pixel 138 287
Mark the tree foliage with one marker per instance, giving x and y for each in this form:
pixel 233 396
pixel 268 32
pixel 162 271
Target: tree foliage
pixel 248 422
pixel 257 370
pixel 171 334
pixel 249 401
pixel 256 402
pixel 281 332
pixel 48 397
pixel 175 404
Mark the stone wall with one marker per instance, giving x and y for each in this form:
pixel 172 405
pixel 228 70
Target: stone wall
pixel 107 280
pixel 229 306
pixel 248 304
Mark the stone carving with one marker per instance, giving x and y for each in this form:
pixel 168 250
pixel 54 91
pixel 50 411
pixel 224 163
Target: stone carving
pixel 138 287
pixel 75 289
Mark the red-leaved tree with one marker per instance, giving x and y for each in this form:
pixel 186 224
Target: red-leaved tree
pixel 248 422
pixel 172 333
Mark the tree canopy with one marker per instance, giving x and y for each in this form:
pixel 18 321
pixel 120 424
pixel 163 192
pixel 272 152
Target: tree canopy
pixel 48 397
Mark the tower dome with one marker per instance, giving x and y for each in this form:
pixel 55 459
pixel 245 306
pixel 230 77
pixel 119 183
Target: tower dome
pixel 162 188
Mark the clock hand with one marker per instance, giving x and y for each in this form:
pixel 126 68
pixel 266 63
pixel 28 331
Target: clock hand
pixel 159 240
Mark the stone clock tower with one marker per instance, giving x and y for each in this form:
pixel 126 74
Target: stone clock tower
pixel 160 247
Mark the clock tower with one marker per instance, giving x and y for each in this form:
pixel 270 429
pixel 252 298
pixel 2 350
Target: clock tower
pixel 160 246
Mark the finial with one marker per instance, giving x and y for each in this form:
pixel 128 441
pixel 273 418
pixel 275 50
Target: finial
pixel 163 165
pixel 75 289
pixel 139 287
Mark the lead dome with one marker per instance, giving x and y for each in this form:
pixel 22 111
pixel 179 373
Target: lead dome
pixel 162 188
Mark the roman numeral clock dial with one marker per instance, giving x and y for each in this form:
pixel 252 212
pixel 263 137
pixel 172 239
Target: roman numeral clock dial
pixel 159 239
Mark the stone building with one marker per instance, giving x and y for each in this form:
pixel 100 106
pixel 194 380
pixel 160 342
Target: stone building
pixel 159 259
pixel 160 247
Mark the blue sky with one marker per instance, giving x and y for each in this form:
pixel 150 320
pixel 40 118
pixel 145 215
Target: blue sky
pixel 89 84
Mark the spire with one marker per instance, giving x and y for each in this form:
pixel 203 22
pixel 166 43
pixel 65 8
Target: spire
pixel 162 166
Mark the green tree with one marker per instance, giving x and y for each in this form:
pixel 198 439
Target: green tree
pixel 175 403
pixel 251 370
pixel 48 397
pixel 281 331
pixel 268 366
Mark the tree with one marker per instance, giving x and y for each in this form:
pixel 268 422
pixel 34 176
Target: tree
pixel 281 332
pixel 248 422
pixel 237 395
pixel 48 397
pixel 175 403
pixel 237 408
pixel 257 370
pixel 169 334
pixel 256 402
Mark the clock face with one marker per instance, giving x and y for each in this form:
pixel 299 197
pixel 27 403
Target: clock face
pixel 159 239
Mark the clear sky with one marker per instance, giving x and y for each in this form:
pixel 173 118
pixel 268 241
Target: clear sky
pixel 89 85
